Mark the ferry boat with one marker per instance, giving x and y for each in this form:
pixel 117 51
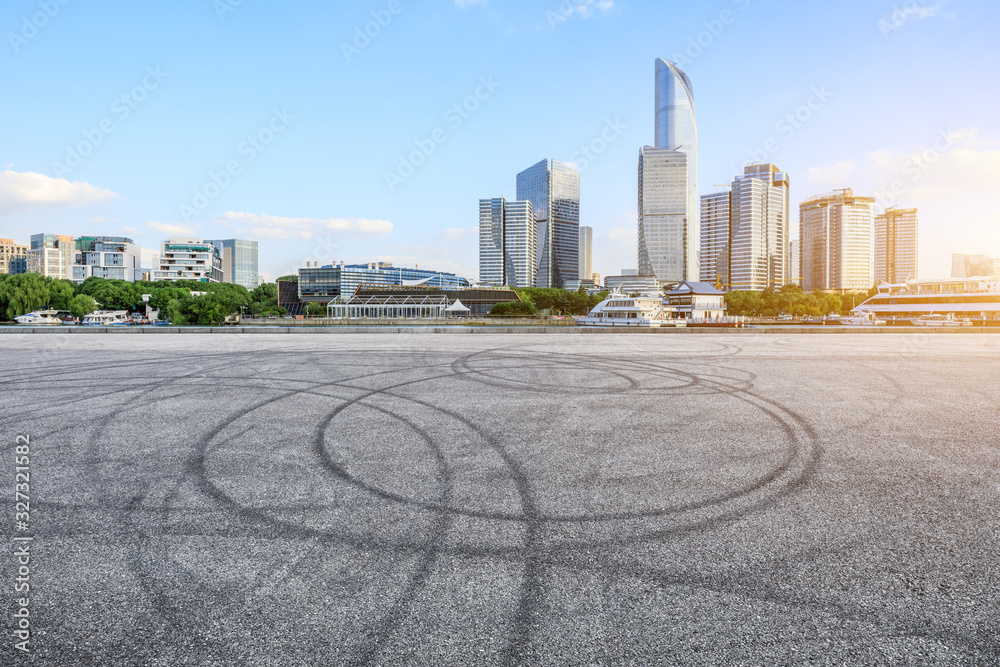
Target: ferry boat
pixel 39 318
pixel 107 318
pixel 962 298
pixel 624 311
pixel 948 320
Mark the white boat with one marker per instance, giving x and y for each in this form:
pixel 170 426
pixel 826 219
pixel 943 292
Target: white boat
pixel 948 320
pixel 39 318
pixel 863 318
pixel 632 311
pixel 107 318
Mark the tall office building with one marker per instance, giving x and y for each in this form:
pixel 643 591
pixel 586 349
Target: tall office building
pixel 974 266
pixel 13 257
pixel 189 259
pixel 759 229
pixel 239 262
pixel 554 192
pixel 744 232
pixel 677 130
pixel 794 252
pixel 108 257
pixel 507 243
pixel 837 235
pixel 663 238
pixel 52 255
pixel 896 245
pixel 715 214
pixel 586 254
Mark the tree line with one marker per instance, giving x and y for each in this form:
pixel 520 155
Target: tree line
pixel 178 302
pixel 791 299
pixel 556 301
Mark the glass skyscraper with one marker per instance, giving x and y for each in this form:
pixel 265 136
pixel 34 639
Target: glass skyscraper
pixel 677 130
pixel 507 254
pixel 663 215
pixel 586 254
pixel 240 262
pixel 554 192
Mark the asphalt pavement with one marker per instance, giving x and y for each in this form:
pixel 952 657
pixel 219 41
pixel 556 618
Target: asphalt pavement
pixel 502 500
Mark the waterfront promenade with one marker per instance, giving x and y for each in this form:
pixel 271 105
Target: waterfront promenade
pixel 507 499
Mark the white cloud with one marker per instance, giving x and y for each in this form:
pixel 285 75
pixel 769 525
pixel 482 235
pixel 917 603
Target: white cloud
pixel 21 191
pixel 171 230
pixel 458 234
pixel 280 229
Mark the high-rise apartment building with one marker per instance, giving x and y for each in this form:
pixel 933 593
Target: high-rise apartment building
pixel 715 214
pixel 507 243
pixel 663 238
pixel 553 189
pixel 974 266
pixel 108 257
pixel 744 232
pixel 677 130
pixel 838 246
pixel 586 254
pixel 896 245
pixel 51 255
pixel 13 257
pixel 189 259
pixel 794 252
pixel 759 229
pixel 239 262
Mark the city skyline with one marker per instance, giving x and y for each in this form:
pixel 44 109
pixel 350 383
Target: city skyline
pixel 309 177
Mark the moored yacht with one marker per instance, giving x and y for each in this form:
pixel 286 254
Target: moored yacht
pixel 39 318
pixel 632 311
pixel 948 320
pixel 863 318
pixel 107 318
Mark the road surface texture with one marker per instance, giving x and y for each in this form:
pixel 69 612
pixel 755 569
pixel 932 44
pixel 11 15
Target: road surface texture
pixel 502 500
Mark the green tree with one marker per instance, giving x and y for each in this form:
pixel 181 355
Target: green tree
pixel 82 305
pixel 24 293
pixel 514 309
pixel 316 310
pixel 61 293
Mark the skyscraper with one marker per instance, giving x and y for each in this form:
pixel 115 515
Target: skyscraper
pixel 677 130
pixel 794 252
pixel 744 232
pixel 896 244
pixel 554 192
pixel 586 254
pixel 663 237
pixel 240 263
pixel 491 241
pixel 759 229
pixel 507 244
pixel 715 214
pixel 837 238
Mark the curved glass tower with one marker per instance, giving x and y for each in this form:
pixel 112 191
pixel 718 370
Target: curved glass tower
pixel 677 130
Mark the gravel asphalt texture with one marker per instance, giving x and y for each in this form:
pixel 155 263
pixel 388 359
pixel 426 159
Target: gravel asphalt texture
pixel 505 500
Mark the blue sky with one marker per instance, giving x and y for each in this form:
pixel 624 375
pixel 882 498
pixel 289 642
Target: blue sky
pixel 276 121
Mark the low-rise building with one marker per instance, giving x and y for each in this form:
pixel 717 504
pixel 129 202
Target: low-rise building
pixel 697 301
pixel 51 255
pixel 108 257
pixel 189 259
pixel 323 284
pixel 13 257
